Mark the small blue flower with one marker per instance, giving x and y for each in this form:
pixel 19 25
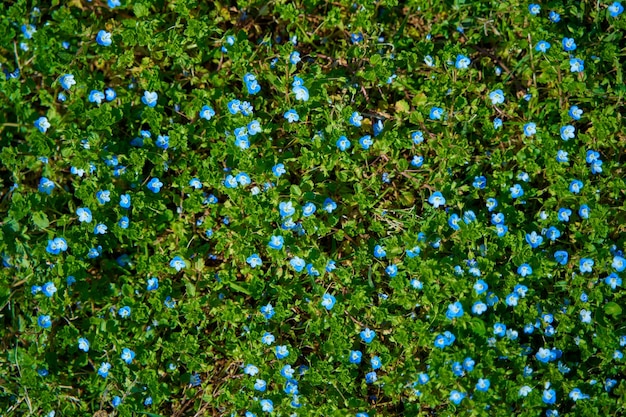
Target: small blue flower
pixel 355 356
pixel 291 116
pixel 575 186
pixel 178 263
pixel 366 141
pixel 436 199
pixel 127 356
pixel 343 143
pixel 391 270
pixel 297 264
pixel 207 112
pixel 576 65
pixel 569 44
pixel 516 191
pixel 554 17
pixel 367 335
pixel 150 98
pixel 530 129
pixel 308 209
pixel 254 260
pixel 496 97
pixel 104 38
pixel 100 229
pixel 46 186
pixel 44 321
pixel 575 112
pixel 616 9
pixel 110 94
pixel 568 132
pixel 534 9
pixel 455 310
pixel 124 312
pixel 83 344
pixel 155 185
pixel 586 265
pixel 104 369
pixel 480 287
pixel 276 242
pixel 483 385
pixel 542 46
pixel 480 182
pixel 549 396
pixel 301 93
pixel 462 62
pixel 533 239
pixel 153 284
pixel 456 397
pixel 436 113
pixel 96 96
pixel 356 119
pixel 282 352
pixel 56 246
pixel 67 81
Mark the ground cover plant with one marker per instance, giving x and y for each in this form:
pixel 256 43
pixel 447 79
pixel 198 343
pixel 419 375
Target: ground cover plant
pixel 311 208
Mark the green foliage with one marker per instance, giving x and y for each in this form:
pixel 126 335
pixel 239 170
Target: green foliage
pixel 223 197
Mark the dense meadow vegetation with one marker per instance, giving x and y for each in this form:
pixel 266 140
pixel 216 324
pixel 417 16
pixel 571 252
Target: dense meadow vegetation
pixel 312 208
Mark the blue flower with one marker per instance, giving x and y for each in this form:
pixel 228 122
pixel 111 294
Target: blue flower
pixel 260 385
pixel 553 233
pixel 616 9
pixel 83 344
pixel 576 394
pixel 124 312
pixel 124 202
pixel 480 286
pixel 367 335
pixel 379 252
pixel 44 321
pixel 286 209
pixel 480 182
pixel 542 46
pixel 530 129
pixel 499 329
pixel 56 246
pixel 110 94
pixel 328 301
pixel 297 264
pixel 370 377
pixel 414 252
pixel 276 242
pixel 377 127
pixel 497 123
pixel 155 185
pixel 301 93
pixel 534 9
pixel 308 209
pixel 94 252
pixel 491 204
pixel 568 44
pixel 575 186
pixel 554 17
pixel 533 239
pixel 178 263
pixel 436 113
pixel 355 119
pixel 329 205
pixel 42 124
pixel 496 97
pixel 234 106
pixel 391 270
pixel 150 98
pixel 153 284
pixel 343 143
pixel 127 356
pixel 462 62
pixel 436 199
pixel 516 191
pixel 96 96
pixel 586 265
pixel 291 116
pixel 453 221
pixel 524 270
pixel 549 396
pixel 104 369
pixel 455 310
pixel 254 260
pixel 46 186
pixel 207 112
pixel 100 229
pixel 568 132
pixel 103 38
pixel 575 112
pixel 366 141
pixel 267 405
pixel 282 352
pixel 417 137
pixel 254 127
pixel 576 65
pixel 483 385
pixel 456 396
pixel 355 356
pixel 67 81
pixel 124 222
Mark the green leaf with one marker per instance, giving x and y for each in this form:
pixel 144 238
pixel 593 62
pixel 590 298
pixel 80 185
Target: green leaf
pixel 613 309
pixel 40 220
